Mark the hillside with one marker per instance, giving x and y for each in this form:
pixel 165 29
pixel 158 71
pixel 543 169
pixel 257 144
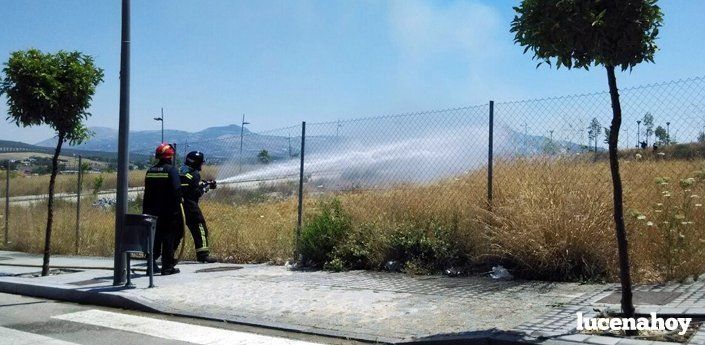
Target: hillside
pixel 17 146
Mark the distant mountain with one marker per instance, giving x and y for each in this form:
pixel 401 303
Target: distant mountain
pixel 144 142
pixel 223 143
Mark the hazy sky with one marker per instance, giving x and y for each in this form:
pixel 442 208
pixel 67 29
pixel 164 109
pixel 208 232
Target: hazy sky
pixel 280 62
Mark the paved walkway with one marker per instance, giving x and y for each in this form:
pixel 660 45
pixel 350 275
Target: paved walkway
pixel 362 305
pixel 372 306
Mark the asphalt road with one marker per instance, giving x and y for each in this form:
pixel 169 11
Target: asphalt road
pixel 25 320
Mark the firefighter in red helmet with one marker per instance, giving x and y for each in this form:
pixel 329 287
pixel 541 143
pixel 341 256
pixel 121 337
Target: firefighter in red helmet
pixel 162 198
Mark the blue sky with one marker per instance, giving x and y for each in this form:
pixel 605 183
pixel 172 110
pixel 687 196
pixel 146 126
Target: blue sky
pixel 281 62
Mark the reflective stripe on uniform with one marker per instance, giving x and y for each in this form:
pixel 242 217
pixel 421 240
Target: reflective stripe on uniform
pixel 157 175
pixel 189 176
pixel 203 236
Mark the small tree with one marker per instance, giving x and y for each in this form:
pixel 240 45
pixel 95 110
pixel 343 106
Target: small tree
pixel 263 157
pixel 550 147
pixel 607 135
pixel 701 138
pixel 648 122
pixel 594 131
pixel 53 90
pixel 583 33
pixel 662 136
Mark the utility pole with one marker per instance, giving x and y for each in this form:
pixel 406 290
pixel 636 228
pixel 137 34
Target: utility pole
pixel 242 132
pixel 289 145
pixel 119 272
pixel 638 133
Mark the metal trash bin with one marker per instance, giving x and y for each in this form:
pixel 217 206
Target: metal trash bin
pixel 138 237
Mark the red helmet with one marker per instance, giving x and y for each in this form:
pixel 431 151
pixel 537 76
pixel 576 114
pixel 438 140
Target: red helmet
pixel 164 151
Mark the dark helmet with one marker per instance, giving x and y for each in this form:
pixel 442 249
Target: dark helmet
pixel 194 159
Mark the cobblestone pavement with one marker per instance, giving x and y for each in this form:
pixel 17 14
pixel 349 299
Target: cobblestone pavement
pixel 682 299
pixel 360 304
pixel 373 304
pixel 368 305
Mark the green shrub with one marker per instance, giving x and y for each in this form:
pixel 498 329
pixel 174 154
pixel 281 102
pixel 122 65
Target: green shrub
pixel 98 183
pixel 358 249
pixel 426 248
pixel 324 232
pixel 674 226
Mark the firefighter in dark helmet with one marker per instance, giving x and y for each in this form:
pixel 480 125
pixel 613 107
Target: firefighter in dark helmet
pixel 162 198
pixel 193 189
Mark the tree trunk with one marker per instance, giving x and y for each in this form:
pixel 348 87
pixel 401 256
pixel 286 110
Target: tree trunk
pixel 50 204
pixel 622 245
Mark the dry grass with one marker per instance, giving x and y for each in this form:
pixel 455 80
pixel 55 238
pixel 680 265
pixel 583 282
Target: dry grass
pixel 37 185
pixel 550 220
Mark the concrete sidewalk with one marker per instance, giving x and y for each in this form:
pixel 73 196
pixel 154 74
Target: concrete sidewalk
pixel 369 306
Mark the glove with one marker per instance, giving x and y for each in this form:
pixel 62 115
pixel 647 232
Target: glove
pixel 212 184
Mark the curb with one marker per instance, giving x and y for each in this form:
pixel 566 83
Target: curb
pixel 110 300
pixel 76 296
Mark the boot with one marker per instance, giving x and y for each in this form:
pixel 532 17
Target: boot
pixel 204 257
pixel 155 268
pixel 170 271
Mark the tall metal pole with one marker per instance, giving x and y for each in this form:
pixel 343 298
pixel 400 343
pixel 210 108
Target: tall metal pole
pixel 162 124
pixel 78 202
pixel 490 157
pixel 289 145
pixel 638 133
pixel 7 203
pixel 668 133
pixel 299 221
pixel 242 132
pixel 119 273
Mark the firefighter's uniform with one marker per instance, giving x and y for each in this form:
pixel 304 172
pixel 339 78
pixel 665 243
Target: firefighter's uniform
pixel 193 189
pixel 162 198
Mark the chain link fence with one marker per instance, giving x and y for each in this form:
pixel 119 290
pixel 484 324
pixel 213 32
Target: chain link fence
pixel 549 179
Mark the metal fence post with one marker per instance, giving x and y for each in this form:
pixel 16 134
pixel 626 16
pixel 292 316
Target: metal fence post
pixel 301 187
pixel 78 202
pixel 490 157
pixel 7 203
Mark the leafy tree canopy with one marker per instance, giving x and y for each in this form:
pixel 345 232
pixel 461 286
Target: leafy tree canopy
pixel 580 33
pixel 51 89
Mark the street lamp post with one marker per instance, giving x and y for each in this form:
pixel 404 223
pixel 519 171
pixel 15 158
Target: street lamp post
pixel 119 262
pixel 242 132
pixel 668 133
pixel 161 119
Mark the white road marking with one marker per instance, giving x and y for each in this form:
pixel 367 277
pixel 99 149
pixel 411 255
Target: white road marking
pixel 172 330
pixel 15 337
